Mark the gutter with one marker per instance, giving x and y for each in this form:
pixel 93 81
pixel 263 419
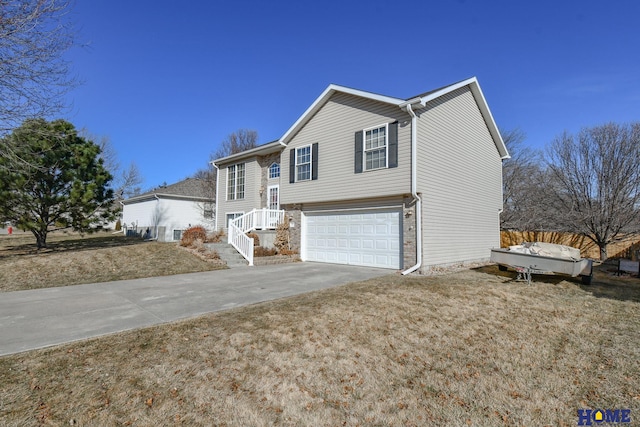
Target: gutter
pixel 414 184
pixel 217 188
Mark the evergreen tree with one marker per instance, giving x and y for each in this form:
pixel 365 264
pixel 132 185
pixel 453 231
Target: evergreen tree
pixel 55 179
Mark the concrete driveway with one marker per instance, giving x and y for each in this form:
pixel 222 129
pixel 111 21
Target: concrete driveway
pixel 45 317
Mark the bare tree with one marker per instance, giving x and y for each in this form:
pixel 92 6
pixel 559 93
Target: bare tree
pixel 207 178
pixel 236 142
pixel 522 189
pixel 126 181
pixel 34 35
pixel 595 178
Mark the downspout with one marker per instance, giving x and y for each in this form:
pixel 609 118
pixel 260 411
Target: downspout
pixel 414 189
pixel 216 201
pixel 122 229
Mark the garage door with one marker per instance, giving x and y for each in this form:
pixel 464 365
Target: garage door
pixel 369 238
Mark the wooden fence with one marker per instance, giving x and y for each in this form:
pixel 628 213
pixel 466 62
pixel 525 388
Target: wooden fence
pixel 627 248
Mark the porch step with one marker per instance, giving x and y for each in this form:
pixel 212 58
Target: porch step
pixel 228 254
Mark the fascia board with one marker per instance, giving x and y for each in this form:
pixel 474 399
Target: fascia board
pixel 268 148
pixel 181 197
pixel 140 198
pixel 491 123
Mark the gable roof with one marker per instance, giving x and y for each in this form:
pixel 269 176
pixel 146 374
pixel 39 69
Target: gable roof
pixel 190 188
pixel 421 99
pixel 261 150
pixel 324 98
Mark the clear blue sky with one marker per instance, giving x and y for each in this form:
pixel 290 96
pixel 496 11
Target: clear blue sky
pixel 167 81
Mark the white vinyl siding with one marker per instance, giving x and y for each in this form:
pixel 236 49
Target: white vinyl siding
pixel 460 179
pixel 251 200
pixel 172 214
pixel 334 127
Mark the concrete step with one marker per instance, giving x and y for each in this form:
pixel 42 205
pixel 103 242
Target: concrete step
pixel 228 254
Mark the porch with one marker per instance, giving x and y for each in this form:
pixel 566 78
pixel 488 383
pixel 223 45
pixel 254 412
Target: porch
pixel 257 219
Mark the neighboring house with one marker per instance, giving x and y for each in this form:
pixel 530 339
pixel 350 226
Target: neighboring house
pixel 373 180
pixel 165 212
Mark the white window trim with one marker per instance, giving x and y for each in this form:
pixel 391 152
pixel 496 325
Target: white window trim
pixel 310 146
pixel 235 187
pixel 279 170
pixel 386 147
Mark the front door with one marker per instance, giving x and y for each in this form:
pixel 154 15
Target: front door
pixel 274 197
pixel 273 194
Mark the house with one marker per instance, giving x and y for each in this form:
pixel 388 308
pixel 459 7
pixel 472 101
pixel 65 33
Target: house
pixel 373 180
pixel 165 212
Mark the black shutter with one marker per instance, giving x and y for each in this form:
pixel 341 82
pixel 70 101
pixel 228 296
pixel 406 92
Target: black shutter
pixel 393 145
pixel 292 166
pixel 358 153
pixel 314 161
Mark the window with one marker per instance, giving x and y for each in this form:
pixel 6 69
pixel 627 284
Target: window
pixel 177 234
pixel 274 170
pixel 207 210
pixel 375 148
pixel 303 163
pixel 233 215
pixel 235 182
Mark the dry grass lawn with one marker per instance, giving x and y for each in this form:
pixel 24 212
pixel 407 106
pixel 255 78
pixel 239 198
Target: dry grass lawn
pixel 71 259
pixel 468 348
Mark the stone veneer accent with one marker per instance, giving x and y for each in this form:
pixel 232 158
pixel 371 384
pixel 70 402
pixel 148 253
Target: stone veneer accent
pixel 264 163
pixel 409 232
pixel 292 213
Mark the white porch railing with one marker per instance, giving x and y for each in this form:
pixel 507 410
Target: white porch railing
pixel 257 219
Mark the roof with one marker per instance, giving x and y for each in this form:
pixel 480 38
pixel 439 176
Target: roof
pixel 190 188
pixel 421 100
pixel 261 150
pixel 324 98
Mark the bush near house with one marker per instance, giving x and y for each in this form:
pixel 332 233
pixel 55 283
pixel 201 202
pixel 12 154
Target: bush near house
pixel 192 234
pixel 255 237
pixel 282 237
pixel 216 237
pixel 260 251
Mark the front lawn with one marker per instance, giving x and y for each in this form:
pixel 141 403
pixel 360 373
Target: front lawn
pixel 468 348
pixel 72 259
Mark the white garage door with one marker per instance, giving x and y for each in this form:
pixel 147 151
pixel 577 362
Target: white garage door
pixel 369 238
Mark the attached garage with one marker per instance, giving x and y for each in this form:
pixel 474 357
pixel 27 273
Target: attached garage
pixel 368 237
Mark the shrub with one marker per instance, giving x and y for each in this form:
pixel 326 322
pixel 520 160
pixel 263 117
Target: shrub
pixel 192 234
pixel 216 237
pixel 288 252
pixel 282 236
pixel 260 251
pixel 255 237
